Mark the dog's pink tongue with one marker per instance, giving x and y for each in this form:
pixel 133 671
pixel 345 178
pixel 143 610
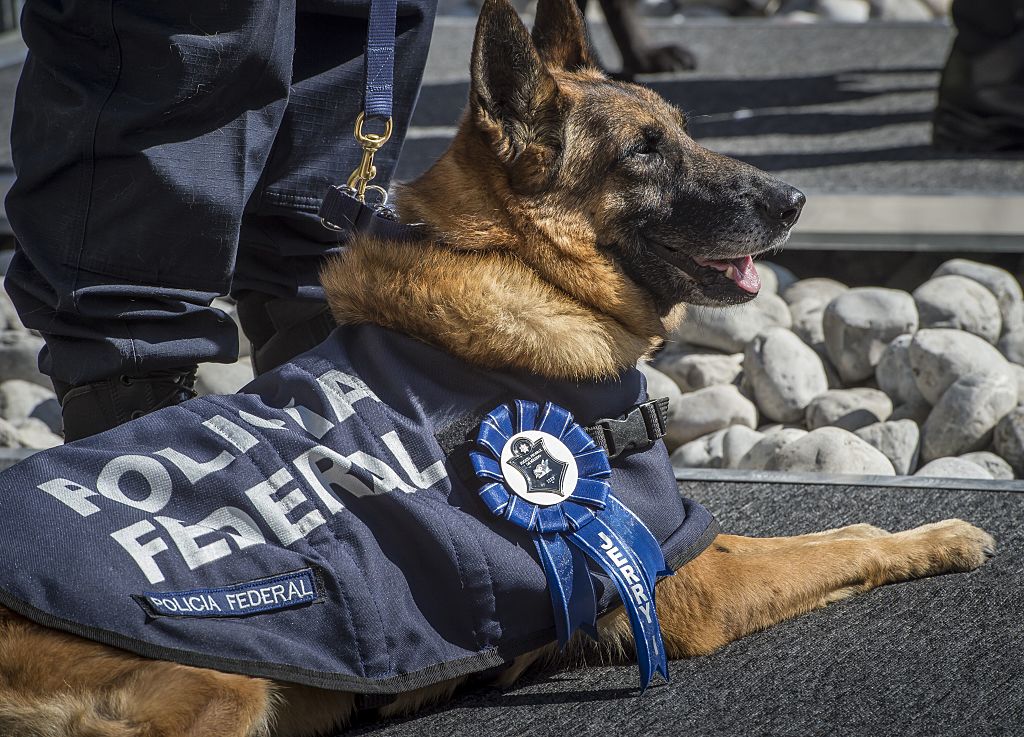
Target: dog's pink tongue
pixel 745 275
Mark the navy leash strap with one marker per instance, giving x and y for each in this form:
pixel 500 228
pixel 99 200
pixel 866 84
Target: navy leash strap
pixel 344 208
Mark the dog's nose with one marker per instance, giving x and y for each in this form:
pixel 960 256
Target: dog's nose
pixel 784 205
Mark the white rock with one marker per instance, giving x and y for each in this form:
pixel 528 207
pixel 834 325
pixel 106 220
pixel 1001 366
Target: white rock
pixel 701 370
pixel 895 376
pixel 848 409
pixel 860 323
pixel 953 468
pixel 781 277
pixel 901 10
pixel 843 11
pixel 20 399
pixel 19 351
pixel 659 385
pixel 964 418
pixel 817 291
pixel 36 434
pixel 9 319
pixel 1011 344
pixel 784 373
pixel 1003 285
pixel 769 281
pixel 899 441
pixel 996 466
pixel 9 435
pixel 807 322
pixel 1008 440
pixel 736 443
pixel 1018 373
pixel 831 450
pixel 223 378
pixel 959 303
pixel 730 328
pixel 706 410
pixel 705 452
pixel 762 453
pixel 940 357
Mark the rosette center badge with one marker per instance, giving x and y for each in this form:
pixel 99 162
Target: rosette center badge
pixel 539 468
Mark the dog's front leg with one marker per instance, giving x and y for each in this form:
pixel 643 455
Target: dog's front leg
pixel 741 585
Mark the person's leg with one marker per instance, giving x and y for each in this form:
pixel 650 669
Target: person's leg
pixel 283 244
pixel 140 131
pixel 981 95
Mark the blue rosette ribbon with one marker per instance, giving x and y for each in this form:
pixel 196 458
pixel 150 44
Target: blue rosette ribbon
pixel 577 518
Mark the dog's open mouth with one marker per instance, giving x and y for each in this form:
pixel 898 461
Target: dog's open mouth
pixel 740 270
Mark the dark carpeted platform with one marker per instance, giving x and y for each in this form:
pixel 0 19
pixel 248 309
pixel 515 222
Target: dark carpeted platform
pixel 942 656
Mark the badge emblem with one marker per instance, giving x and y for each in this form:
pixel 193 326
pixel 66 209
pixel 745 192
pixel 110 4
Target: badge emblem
pixel 539 467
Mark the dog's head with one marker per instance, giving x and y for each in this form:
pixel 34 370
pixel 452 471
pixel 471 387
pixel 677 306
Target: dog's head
pixel 612 163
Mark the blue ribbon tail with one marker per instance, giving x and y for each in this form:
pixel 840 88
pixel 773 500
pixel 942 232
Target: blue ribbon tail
pixel 572 590
pixel 631 576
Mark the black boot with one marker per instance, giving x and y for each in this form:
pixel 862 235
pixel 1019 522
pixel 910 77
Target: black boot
pixel 89 409
pixel 280 329
pixel 981 95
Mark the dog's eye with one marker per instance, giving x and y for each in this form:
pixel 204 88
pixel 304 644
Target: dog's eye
pixel 648 144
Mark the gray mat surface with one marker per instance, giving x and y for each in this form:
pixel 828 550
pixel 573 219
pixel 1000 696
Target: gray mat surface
pixel 942 656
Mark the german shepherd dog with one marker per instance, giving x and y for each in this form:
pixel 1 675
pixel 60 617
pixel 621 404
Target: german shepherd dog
pixel 573 216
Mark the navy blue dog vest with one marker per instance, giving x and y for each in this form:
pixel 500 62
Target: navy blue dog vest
pixel 323 526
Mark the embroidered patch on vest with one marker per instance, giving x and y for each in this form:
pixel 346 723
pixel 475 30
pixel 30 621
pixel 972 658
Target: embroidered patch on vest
pixel 237 600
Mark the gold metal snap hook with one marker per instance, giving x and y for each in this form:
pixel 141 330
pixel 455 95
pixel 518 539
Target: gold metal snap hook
pixel 360 179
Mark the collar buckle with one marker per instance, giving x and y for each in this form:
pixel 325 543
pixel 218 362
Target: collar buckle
pixel 637 430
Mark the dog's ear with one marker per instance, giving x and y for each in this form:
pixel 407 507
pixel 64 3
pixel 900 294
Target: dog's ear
pixel 514 99
pixel 560 34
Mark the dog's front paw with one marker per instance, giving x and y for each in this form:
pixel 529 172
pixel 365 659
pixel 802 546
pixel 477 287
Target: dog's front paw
pixel 951 546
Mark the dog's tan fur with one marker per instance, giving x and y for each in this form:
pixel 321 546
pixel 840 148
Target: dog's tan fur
pixel 514 278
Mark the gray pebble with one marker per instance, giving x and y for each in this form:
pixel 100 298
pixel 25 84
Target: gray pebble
pixel 9 319
pixel 1003 285
pixel 36 434
pixel 781 277
pixel 223 378
pixel 9 435
pixel 996 466
pixel 899 441
pixel 736 443
pixel 19 353
pixel 940 357
pixel 700 370
pixel 1008 440
pixel 730 328
pixel 20 400
pixel 659 385
pixel 964 418
pixel 706 410
pixel 848 409
pixel 959 303
pixel 953 468
pixel 895 376
pixel 785 374
pixel 817 291
pixel 831 450
pixel 860 323
pixel 704 452
pixel 807 322
pixel 1011 344
pixel 761 453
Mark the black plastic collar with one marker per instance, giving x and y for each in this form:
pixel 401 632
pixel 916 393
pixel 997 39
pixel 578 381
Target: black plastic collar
pixel 638 430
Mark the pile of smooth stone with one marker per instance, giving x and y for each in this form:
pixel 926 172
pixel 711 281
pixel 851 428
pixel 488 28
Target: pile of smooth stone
pixel 29 412
pixel 813 376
